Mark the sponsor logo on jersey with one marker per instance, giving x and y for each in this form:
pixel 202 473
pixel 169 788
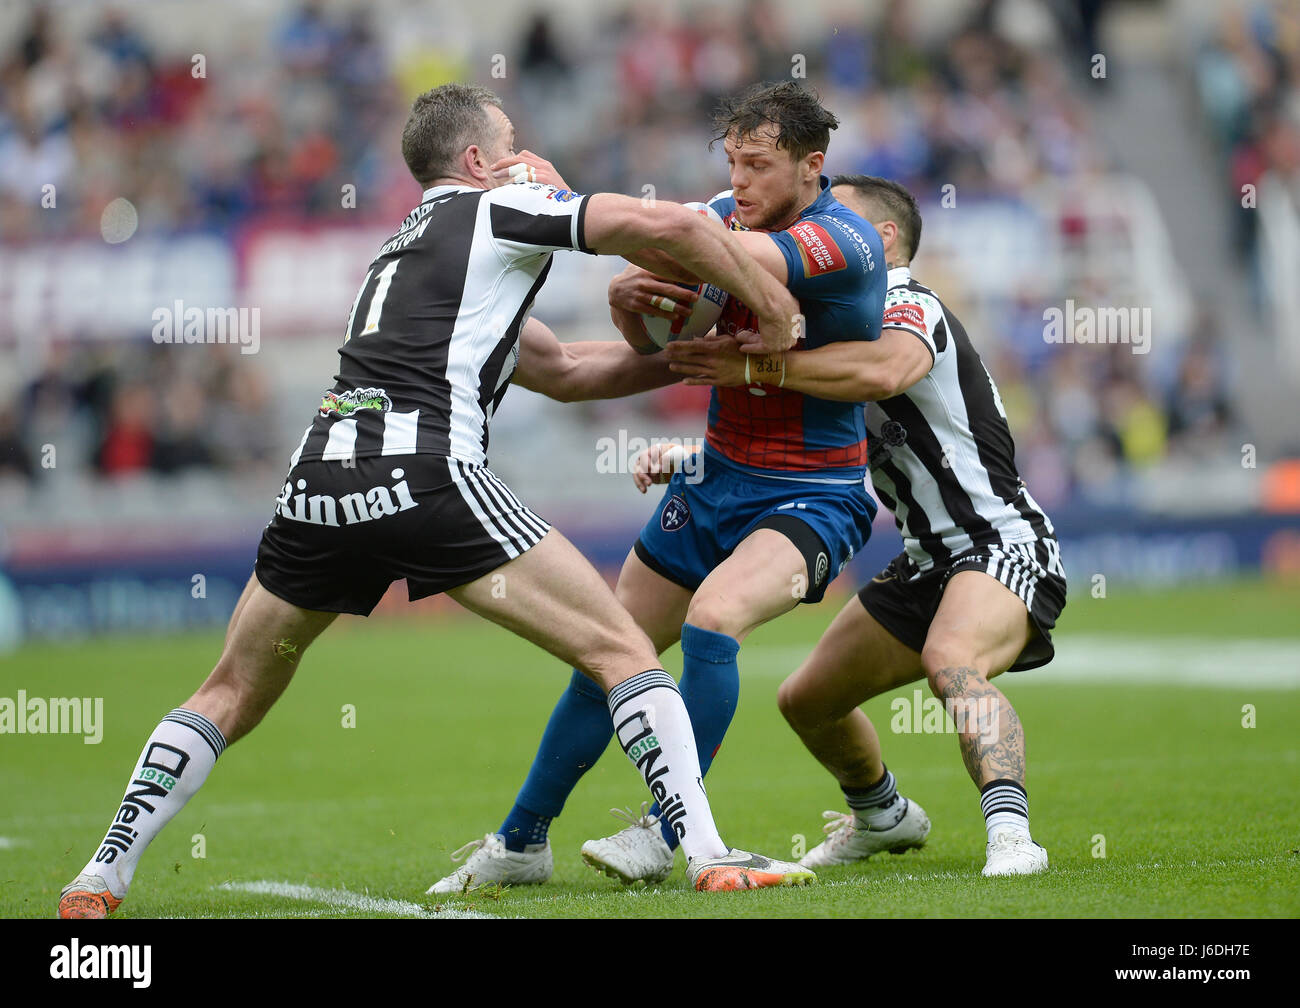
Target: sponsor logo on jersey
pixel 562 195
pixel 346 403
pixel 858 242
pixel 910 316
pixel 817 249
pixel 676 513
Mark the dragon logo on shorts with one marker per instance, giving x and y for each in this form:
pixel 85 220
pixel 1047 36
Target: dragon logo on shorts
pixel 675 514
pixel 822 568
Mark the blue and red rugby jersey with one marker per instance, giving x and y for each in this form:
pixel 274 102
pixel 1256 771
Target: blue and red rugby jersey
pixel 837 272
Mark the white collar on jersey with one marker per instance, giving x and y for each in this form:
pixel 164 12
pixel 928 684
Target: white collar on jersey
pixel 429 193
pixel 898 275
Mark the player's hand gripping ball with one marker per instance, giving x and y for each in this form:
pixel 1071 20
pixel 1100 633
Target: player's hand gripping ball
pixel 703 317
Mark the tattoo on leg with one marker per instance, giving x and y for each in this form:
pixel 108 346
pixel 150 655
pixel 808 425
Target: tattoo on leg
pixel 992 741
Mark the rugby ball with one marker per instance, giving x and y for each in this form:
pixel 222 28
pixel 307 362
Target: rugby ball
pixel 706 312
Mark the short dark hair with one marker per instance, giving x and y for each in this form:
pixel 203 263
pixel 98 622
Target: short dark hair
pixel 443 122
pixel 895 203
pixel 802 124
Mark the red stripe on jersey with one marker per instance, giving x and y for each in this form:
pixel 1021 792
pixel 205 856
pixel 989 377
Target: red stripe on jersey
pixel 773 455
pixel 766 431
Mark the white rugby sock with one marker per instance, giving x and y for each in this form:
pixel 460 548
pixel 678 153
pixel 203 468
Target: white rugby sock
pixel 654 730
pixel 173 765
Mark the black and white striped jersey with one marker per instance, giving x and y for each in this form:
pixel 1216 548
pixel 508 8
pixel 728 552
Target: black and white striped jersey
pixel 941 455
pixel 433 337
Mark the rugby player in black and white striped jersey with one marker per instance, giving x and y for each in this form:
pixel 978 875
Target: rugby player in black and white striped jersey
pixel 976 591
pixel 391 479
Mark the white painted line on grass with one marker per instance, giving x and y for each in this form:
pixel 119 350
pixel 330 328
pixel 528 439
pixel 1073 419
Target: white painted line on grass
pixel 1135 660
pixel 8 843
pixel 1183 661
pixel 345 900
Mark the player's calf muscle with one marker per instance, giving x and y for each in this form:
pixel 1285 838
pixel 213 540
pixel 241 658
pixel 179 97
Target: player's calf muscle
pixel 988 730
pixel 236 697
pixel 263 649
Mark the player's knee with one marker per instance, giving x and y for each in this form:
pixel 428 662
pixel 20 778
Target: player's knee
pixel 948 667
pixel 788 700
pixel 712 613
pixel 799 704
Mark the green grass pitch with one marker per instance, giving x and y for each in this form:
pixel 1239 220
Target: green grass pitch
pixel 1195 811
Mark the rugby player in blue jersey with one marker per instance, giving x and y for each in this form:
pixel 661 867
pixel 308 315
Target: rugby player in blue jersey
pixel 769 512
pixel 979 585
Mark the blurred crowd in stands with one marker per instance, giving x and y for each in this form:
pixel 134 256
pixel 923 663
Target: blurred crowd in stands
pixel 986 105
pixel 1248 78
pixel 123 411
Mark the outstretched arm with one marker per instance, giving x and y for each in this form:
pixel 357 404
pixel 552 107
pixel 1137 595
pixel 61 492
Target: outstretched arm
pixel 846 371
pixel 620 225
pixel 576 372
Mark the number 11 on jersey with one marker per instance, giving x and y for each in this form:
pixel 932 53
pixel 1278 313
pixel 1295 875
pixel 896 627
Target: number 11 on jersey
pixel 382 284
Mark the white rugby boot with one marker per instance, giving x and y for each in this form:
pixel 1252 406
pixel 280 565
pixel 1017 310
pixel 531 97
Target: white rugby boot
pixel 847 842
pixel 636 854
pixel 489 862
pixel 1013 854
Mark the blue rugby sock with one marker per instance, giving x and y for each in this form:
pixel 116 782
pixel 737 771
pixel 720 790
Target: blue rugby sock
pixel 710 688
pixel 575 737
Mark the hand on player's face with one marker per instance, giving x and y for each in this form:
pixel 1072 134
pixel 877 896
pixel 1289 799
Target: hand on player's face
pixel 637 290
pixel 533 168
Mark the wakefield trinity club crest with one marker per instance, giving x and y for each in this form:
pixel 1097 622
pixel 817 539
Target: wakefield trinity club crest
pixel 675 514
